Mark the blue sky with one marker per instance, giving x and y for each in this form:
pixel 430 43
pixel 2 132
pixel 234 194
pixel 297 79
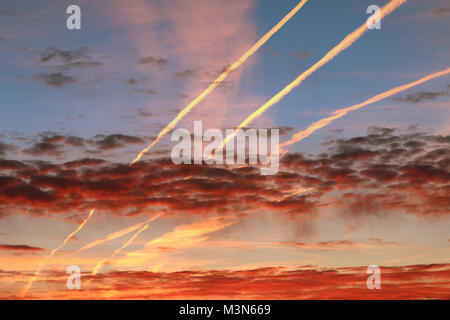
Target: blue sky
pixel 100 102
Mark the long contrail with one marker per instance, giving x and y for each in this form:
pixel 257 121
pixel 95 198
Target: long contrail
pixel 221 78
pixel 118 234
pixel 344 44
pixel 342 112
pixel 52 253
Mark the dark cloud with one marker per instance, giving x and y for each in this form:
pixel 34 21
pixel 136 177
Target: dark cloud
pixel 55 79
pixel 422 96
pixel 12 164
pixel 21 247
pixel 44 148
pixel 4 148
pixel 142 112
pixel 114 141
pixel 442 12
pixel 87 162
pixel 153 61
pixel 189 73
pixel 373 175
pixel 67 59
pixel 134 81
pixel 67 56
pixel 74 141
pixel 285 130
pixel 52 144
pixel 182 95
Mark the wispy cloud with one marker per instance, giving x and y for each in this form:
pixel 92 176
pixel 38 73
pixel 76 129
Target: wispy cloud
pixel 58 79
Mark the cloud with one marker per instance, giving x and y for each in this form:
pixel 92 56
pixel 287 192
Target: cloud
pixel 142 112
pixel 441 12
pixel 67 59
pixel 133 81
pixel 52 144
pixel 377 241
pixel 55 79
pixel 304 282
pixel 87 162
pixel 12 164
pixel 285 130
pixel 56 145
pixel 340 244
pixel 61 61
pixel 422 96
pixel 44 148
pixel 153 61
pixel 376 174
pixel 189 73
pixel 114 141
pixel 21 247
pixel 181 237
pixel 5 148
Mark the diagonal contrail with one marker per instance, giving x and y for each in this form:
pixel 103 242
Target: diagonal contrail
pixel 342 112
pixel 52 253
pixel 294 193
pixel 344 44
pixel 116 252
pixel 118 234
pixel 221 78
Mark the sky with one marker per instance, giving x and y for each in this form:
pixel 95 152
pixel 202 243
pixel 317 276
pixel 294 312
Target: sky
pixel 369 188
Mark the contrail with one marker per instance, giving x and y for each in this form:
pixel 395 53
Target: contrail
pixel 344 44
pixel 294 193
pixel 97 268
pixel 117 251
pixel 118 234
pixel 221 78
pixel 342 112
pixel 181 237
pixel 52 253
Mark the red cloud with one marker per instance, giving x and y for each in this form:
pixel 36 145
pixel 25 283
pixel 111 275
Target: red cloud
pixel 374 174
pixel 406 282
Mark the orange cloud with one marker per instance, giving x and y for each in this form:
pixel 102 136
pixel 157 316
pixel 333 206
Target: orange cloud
pixel 308 282
pixel 158 251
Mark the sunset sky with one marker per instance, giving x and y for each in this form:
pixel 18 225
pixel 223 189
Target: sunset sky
pixel 371 187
